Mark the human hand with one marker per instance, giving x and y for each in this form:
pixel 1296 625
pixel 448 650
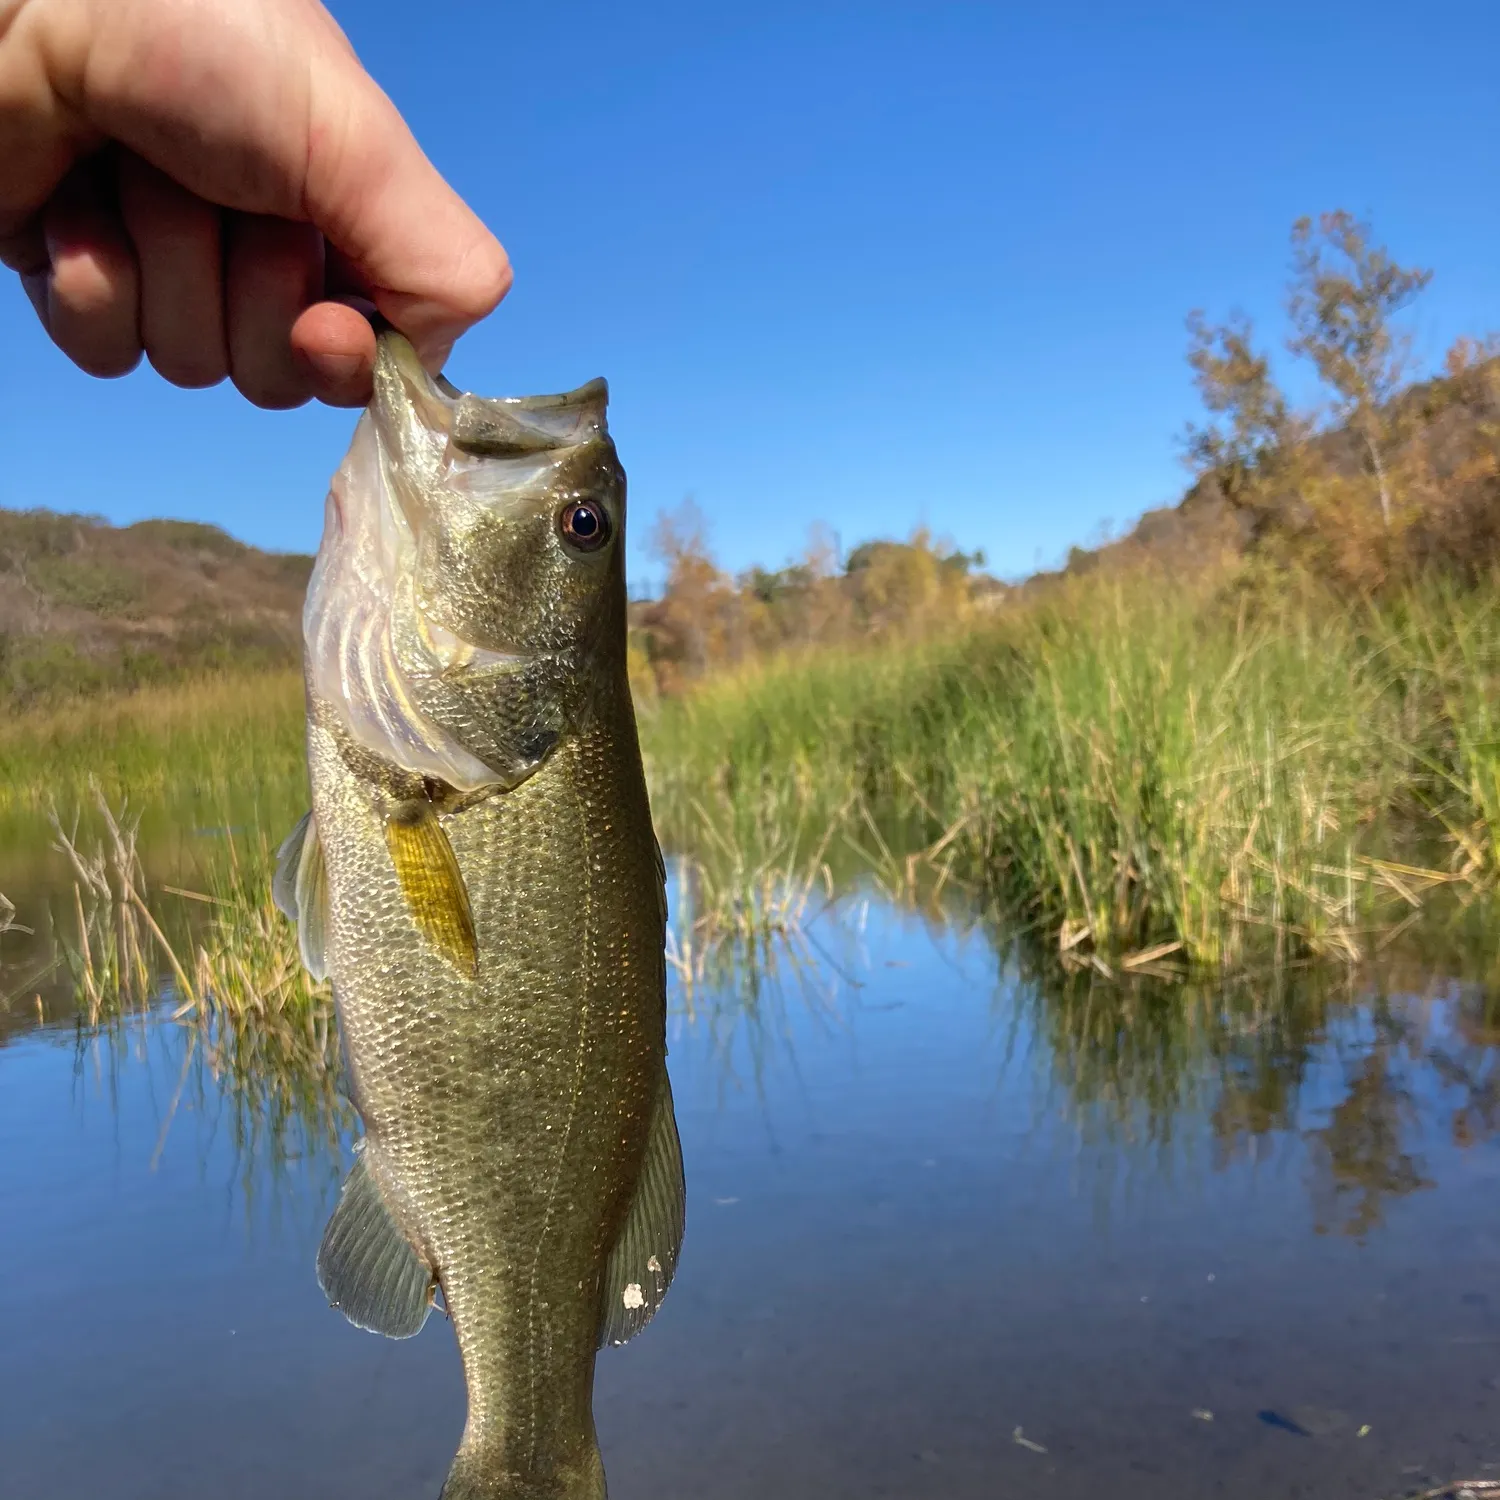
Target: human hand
pixel 215 183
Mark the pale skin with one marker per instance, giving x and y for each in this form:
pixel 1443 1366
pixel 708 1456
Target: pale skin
pixel 220 187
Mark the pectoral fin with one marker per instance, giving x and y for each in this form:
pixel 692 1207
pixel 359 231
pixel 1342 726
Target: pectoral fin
pixel 433 884
pixel 367 1268
pixel 300 891
pixel 640 1267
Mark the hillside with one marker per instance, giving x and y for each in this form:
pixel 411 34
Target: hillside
pixel 85 605
pixel 1312 503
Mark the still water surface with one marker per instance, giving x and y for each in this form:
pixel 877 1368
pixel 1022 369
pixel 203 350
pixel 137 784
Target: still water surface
pixel 1249 1255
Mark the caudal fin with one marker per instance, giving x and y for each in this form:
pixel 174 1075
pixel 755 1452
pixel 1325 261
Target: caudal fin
pixel 477 1476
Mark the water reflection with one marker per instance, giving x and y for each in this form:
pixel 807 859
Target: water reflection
pixel 899 1133
pixel 271 1103
pixel 1361 1075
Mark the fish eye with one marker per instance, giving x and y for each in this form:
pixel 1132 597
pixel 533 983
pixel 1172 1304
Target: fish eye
pixel 585 527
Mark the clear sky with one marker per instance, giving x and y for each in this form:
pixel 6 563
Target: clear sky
pixel 866 263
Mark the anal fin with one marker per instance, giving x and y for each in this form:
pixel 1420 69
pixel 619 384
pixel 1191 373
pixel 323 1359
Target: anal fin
pixel 640 1266
pixel 367 1267
pixel 432 884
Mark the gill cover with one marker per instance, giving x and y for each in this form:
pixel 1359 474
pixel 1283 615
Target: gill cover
pixel 448 623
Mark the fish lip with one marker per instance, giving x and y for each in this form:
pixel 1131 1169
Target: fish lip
pixel 485 426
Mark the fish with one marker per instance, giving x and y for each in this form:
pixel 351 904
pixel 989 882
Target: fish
pixel 479 879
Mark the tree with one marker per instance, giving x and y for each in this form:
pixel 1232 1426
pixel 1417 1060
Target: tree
pixel 1343 295
pixel 688 621
pixel 1253 426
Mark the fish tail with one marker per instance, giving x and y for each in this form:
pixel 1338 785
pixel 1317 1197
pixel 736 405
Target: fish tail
pixel 476 1475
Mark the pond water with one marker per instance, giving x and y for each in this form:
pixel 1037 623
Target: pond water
pixel 951 1233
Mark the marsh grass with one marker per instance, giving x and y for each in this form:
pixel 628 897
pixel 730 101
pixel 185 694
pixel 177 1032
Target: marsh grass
pixel 1159 776
pixel 1445 645
pixel 207 739
pixel 240 960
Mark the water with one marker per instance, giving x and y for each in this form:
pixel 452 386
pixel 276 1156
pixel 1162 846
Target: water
pixel 930 1205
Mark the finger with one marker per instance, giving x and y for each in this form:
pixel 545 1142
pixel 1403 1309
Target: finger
pixel 336 345
pixel 42 136
pixel 93 282
pixel 273 271
pixel 34 284
pixel 179 247
pixel 25 251
pixel 268 111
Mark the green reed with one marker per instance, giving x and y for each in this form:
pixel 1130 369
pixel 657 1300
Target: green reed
pixel 1154 774
pixel 223 960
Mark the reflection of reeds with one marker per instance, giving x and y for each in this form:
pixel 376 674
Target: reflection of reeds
pixel 743 937
pixel 744 896
pixel 226 964
pixel 1130 1056
pixel 1334 1060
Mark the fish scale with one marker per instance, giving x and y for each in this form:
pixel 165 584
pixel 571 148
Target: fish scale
pixel 496 957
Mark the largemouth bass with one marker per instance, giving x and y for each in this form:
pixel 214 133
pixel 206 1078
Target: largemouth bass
pixel 480 881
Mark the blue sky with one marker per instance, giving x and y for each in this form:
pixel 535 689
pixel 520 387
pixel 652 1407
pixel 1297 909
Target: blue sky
pixel 870 264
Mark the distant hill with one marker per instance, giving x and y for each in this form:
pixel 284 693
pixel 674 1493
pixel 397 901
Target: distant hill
pixel 85 605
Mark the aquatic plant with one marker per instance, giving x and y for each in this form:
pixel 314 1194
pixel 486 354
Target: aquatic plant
pixel 1241 771
pixel 223 962
pixel 1148 772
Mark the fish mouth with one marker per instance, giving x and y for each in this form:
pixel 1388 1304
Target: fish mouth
pixel 409 403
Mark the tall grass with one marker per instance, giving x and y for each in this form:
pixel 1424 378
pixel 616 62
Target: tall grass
pixel 212 735
pixel 196 760
pixel 1150 772
pixel 1155 775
